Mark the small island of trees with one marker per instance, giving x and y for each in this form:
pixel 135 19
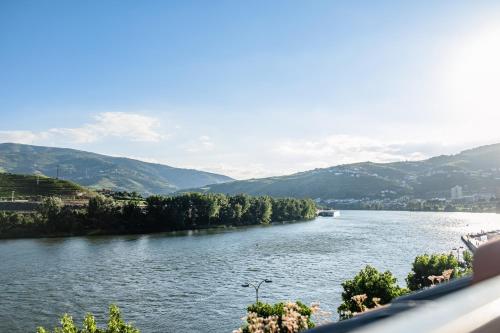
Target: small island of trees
pixel 105 215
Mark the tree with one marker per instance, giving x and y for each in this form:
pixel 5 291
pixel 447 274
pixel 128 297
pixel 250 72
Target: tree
pixel 204 208
pixel 426 266
pixel 379 288
pixel 56 216
pixel 50 207
pixel 289 209
pixel 132 214
pixel 156 211
pixel 101 206
pixel 240 205
pixel 260 210
pixel 467 262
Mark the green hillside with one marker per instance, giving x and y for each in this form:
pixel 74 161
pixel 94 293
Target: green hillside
pixel 101 171
pixel 30 185
pixel 476 170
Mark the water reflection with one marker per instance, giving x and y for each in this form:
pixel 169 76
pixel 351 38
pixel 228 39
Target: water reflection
pixel 190 281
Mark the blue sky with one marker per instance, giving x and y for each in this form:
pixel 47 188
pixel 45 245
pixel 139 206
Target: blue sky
pixel 251 88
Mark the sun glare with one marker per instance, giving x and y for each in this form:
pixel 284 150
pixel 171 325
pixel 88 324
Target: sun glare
pixel 473 74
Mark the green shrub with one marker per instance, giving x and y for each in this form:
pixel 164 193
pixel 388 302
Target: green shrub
pixel 115 324
pixel 374 284
pixel 434 265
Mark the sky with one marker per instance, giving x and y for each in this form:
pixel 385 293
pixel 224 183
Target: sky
pixel 251 88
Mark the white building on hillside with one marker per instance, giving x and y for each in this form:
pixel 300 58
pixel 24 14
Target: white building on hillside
pixel 456 193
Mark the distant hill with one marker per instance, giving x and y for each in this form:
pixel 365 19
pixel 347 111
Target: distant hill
pixel 476 170
pixel 29 185
pixel 101 171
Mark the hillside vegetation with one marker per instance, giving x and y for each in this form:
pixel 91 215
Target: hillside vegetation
pixel 30 185
pixel 476 170
pixel 101 171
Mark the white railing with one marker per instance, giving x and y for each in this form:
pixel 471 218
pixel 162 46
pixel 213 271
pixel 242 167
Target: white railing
pixel 473 309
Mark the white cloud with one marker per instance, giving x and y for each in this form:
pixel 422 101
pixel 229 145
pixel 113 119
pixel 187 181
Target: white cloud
pixel 129 126
pixel 201 144
pixel 240 157
pixel 26 137
pixel 133 126
pixel 236 170
pixel 295 155
pixel 342 149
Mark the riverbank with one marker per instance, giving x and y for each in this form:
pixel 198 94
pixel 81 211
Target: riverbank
pixel 178 232
pixel 488 211
pixel 105 216
pixel 473 241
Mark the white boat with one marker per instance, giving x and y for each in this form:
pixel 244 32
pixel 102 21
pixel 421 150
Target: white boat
pixel 328 213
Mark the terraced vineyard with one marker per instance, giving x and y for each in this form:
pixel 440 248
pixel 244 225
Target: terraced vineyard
pixel 32 185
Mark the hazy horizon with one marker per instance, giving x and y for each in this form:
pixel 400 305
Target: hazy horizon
pixel 251 89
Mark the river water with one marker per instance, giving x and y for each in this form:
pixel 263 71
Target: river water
pixel 191 282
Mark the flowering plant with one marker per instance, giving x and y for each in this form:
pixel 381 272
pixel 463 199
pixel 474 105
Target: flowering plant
pixel 289 317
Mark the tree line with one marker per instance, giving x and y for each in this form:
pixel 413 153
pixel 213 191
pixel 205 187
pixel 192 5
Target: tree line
pixel 156 213
pixel 371 288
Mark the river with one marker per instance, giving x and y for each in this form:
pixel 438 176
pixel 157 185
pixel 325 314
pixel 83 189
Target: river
pixel 191 282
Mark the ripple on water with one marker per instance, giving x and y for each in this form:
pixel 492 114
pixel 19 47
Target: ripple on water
pixel 191 281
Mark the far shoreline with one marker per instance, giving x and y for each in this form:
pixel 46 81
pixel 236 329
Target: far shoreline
pixel 208 228
pixel 180 232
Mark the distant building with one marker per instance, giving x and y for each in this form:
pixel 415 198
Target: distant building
pixel 483 197
pixel 456 193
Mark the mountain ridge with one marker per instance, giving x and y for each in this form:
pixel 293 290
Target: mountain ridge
pixel 102 171
pixel 477 170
